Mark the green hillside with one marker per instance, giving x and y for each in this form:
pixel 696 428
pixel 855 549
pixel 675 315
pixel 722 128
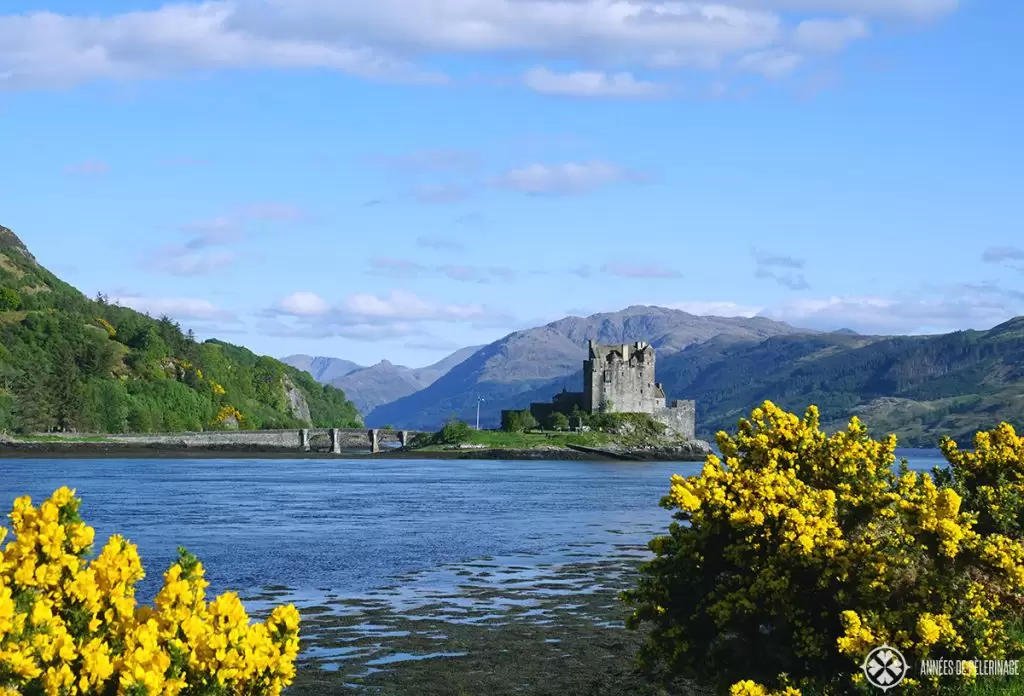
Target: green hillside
pixel 71 363
pixel 919 387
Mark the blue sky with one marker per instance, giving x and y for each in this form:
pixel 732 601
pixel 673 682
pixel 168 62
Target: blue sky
pixel 394 179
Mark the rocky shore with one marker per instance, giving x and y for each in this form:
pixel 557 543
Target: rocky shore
pixel 689 451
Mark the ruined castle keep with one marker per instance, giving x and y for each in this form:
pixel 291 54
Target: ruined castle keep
pixel 620 379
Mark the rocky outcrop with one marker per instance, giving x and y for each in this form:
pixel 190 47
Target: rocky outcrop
pixel 297 403
pixel 688 451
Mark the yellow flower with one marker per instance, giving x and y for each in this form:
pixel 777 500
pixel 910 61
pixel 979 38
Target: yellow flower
pixel 928 630
pixel 108 640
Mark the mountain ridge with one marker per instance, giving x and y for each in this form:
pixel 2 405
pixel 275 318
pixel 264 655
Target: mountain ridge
pixel 524 360
pixel 373 385
pixel 920 387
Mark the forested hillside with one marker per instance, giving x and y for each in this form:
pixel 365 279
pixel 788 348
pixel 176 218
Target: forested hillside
pixel 69 363
pixel 919 387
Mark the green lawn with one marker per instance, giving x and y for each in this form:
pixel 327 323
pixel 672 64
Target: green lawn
pixel 59 438
pixel 498 439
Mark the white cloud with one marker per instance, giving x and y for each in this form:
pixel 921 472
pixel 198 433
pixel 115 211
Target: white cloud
pixel 385 39
pixel 918 10
pixel 766 263
pixel 178 307
pixel 407 306
pixel 715 309
pixel 370 317
pixel 829 35
pixel 199 255
pixel 766 258
pixel 181 260
pixel 772 63
pixel 932 310
pixel 304 304
pixel 51 50
pixel 568 178
pixel 592 84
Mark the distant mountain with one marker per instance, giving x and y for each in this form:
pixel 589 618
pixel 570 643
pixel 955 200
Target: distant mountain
pixel 369 387
pixel 919 387
pixel 71 363
pixel 323 370
pixel 503 371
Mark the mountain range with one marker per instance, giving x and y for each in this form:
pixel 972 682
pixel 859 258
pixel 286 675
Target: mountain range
pixel 920 387
pixel 373 386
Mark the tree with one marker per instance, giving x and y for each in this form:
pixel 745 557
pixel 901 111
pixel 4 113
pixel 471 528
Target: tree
pixel 455 432
pixel 10 300
pixel 32 409
pixel 66 388
pixel 559 421
pixel 108 406
pixel 517 421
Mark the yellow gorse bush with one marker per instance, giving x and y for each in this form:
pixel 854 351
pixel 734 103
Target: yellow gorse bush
pixel 226 414
pixel 70 625
pixel 796 553
pixel 991 478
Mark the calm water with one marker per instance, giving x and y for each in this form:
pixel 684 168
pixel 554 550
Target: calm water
pixel 352 525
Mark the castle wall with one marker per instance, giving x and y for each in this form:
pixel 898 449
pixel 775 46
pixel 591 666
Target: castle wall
pixel 680 418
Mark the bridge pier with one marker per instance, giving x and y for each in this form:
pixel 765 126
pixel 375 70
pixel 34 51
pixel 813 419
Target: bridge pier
pixel 403 437
pixel 375 441
pixel 304 439
pixel 335 441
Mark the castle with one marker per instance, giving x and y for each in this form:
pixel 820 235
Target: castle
pixel 620 379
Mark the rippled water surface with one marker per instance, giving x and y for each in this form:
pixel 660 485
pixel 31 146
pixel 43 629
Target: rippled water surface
pixel 350 525
pixel 428 577
pixel 346 525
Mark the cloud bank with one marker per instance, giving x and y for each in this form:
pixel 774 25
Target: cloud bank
pixel 609 40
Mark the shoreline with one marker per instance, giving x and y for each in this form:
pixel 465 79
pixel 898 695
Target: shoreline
pixel 99 450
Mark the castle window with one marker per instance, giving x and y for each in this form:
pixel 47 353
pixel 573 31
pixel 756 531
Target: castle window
pixel 607 377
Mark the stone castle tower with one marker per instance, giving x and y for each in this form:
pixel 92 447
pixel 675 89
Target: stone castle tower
pixel 620 379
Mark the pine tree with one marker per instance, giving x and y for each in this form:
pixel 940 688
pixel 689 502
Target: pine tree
pixel 66 388
pixel 32 411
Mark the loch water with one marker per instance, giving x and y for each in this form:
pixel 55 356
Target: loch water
pixel 348 526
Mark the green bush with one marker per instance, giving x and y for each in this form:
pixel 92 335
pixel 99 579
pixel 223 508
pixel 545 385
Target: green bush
pixel 10 300
pixel 517 421
pixel 559 421
pixel 454 433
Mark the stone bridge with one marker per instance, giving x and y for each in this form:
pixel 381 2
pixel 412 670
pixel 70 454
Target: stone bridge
pixel 334 440
pixel 337 440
